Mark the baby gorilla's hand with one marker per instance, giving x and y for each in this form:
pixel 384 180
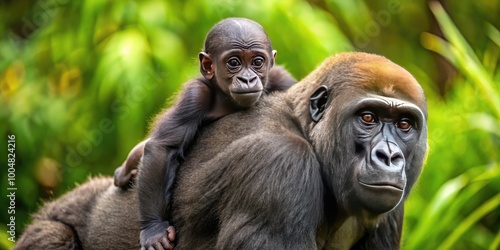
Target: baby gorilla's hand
pixel 160 236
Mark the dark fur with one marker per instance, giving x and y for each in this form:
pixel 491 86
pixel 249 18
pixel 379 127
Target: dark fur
pixel 64 223
pixel 271 178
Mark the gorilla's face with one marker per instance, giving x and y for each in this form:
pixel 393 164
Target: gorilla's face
pixel 385 134
pixel 371 134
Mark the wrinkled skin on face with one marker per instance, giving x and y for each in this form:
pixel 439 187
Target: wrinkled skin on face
pixel 239 57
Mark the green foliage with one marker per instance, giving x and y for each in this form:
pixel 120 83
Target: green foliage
pixel 81 80
pixel 463 211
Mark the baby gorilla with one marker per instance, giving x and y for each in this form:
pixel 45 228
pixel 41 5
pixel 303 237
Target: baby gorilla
pixel 237 67
pixel 279 79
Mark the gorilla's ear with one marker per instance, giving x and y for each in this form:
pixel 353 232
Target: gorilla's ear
pixel 317 103
pixel 206 65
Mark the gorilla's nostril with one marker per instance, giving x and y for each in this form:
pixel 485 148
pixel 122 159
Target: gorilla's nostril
pixel 242 79
pixel 382 156
pixel 387 156
pixel 396 157
pixel 398 160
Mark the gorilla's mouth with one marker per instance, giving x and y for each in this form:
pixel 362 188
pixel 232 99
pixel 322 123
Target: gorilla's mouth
pixel 383 185
pixel 246 99
pixel 379 196
pixel 237 92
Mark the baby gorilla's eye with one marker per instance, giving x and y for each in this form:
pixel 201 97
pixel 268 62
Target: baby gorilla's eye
pixel 233 62
pixel 258 62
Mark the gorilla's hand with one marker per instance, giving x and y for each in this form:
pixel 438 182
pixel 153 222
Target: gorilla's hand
pixel 159 236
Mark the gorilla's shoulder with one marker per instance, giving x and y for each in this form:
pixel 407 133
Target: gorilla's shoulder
pixel 277 142
pixel 267 152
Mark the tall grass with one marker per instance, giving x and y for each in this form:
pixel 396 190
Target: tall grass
pixel 464 212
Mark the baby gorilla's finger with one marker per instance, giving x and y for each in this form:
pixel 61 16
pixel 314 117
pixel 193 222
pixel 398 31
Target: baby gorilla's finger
pixel 171 233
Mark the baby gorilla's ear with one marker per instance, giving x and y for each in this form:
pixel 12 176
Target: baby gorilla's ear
pixel 206 65
pixel 273 59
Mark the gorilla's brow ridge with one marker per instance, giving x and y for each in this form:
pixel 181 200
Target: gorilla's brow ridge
pixel 395 104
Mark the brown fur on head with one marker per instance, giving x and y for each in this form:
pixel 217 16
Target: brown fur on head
pixel 362 72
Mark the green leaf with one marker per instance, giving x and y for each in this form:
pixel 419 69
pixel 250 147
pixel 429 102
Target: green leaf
pixel 489 206
pixel 466 60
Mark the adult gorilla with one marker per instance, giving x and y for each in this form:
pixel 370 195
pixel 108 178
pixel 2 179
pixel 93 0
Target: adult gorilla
pixel 325 165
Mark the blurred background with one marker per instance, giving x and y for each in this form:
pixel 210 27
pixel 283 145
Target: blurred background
pixel 81 80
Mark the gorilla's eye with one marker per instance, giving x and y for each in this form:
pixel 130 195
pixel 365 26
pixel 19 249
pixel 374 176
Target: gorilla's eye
pixel 233 63
pixel 258 62
pixel 368 117
pixel 404 124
